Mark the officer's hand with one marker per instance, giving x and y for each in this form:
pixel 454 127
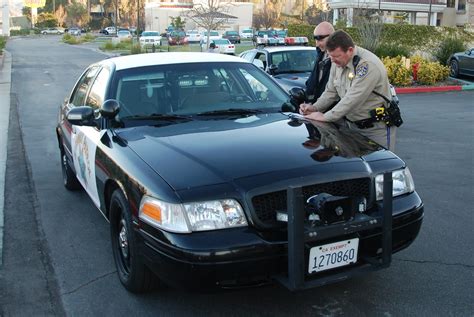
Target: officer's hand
pixel 318 116
pixel 306 108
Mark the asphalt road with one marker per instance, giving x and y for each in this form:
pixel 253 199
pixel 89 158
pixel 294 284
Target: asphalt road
pixel 57 255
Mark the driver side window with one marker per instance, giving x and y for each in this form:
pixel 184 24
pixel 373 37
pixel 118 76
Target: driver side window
pixel 80 91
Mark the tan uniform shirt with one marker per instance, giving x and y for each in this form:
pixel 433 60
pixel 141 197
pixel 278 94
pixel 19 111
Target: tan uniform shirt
pixel 354 88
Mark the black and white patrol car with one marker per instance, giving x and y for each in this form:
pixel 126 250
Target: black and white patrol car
pixel 200 169
pixel 289 65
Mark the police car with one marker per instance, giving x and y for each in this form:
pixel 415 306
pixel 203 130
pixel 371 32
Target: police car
pixel 194 159
pixel 290 65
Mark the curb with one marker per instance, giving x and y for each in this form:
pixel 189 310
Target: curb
pixel 414 90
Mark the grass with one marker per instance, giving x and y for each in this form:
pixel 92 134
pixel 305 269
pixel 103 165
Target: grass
pixel 3 42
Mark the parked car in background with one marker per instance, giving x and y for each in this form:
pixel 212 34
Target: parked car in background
pixel 232 36
pixel 213 35
pixel 193 36
pixel 223 46
pixel 124 35
pixel 246 34
pixel 267 37
pixel 52 31
pixel 150 39
pixel 74 31
pixel 177 38
pixel 108 30
pixel 289 65
pixel 462 63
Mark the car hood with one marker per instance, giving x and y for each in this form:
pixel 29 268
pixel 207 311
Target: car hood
pixel 215 151
pixel 288 81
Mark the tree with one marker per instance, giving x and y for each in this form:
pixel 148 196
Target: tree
pixel 46 20
pixel 77 13
pixel 60 15
pixel 177 23
pixel 265 18
pixel 210 16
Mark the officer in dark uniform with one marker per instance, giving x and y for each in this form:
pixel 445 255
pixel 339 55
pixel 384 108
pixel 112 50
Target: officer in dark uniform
pixel 316 83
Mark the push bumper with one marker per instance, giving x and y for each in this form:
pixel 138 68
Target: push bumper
pixel 246 257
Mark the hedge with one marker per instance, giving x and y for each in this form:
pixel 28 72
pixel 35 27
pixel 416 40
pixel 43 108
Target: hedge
pixel 415 37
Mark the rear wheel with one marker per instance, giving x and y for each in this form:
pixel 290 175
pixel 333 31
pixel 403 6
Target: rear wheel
pixel 454 68
pixel 132 272
pixel 69 179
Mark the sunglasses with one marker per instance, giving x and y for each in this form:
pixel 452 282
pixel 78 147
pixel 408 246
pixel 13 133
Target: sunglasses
pixel 320 37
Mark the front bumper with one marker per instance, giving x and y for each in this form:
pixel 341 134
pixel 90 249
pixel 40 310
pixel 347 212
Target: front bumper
pixel 244 256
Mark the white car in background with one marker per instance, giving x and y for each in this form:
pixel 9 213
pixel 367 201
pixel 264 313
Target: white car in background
pixel 223 46
pixel 246 34
pixel 213 35
pixel 124 35
pixel 193 36
pixel 150 38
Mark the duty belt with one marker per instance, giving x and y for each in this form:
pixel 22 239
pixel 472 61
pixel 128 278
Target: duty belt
pixel 378 114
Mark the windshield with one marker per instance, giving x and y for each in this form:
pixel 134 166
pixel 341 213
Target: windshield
pixel 191 89
pixel 232 33
pixel 294 61
pixel 150 34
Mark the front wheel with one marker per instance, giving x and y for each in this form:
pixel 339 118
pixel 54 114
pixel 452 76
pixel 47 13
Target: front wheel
pixel 132 272
pixel 69 179
pixel 454 68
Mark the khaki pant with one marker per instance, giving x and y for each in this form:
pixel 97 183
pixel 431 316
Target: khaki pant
pixel 378 133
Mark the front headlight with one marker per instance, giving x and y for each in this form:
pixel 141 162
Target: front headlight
pixel 402 183
pixel 197 216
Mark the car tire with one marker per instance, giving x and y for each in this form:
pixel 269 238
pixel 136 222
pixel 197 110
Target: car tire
pixel 69 178
pixel 453 68
pixel 132 272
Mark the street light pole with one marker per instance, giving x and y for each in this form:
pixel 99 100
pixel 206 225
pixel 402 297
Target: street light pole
pixel 429 15
pixel 138 21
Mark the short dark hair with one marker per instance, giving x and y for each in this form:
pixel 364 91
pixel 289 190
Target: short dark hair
pixel 339 39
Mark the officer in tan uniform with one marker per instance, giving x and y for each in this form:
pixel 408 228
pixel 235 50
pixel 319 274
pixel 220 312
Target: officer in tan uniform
pixel 355 74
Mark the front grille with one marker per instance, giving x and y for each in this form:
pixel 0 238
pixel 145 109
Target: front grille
pixel 266 205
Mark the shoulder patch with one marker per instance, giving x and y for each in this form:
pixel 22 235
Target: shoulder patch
pixel 362 70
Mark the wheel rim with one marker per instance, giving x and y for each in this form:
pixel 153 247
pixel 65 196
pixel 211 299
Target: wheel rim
pixel 454 68
pixel 123 245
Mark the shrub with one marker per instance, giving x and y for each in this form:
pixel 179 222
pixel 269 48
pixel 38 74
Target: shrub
pixel 70 39
pixel 398 74
pixel 3 42
pixel 136 49
pixel 108 46
pixel 392 50
pixel 430 73
pixel 448 46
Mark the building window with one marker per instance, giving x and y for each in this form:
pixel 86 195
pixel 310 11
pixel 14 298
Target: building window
pixel 462 5
pixel 450 3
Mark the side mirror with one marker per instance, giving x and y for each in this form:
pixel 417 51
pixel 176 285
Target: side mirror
pixel 272 68
pixel 298 96
pixel 258 63
pixel 110 108
pixel 82 116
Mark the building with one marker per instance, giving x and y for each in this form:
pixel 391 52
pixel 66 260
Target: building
pixel 431 12
pixel 158 14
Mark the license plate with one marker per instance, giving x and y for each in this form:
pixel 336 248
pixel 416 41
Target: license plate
pixel 332 255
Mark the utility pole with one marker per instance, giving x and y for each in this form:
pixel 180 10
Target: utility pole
pixel 6 18
pixel 138 22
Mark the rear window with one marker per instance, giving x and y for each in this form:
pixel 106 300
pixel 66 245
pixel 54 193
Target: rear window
pixel 232 33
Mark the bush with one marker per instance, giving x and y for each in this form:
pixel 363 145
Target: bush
pixel 70 39
pixel 136 49
pixel 398 74
pixel 392 50
pixel 430 73
pixel 448 46
pixel 3 42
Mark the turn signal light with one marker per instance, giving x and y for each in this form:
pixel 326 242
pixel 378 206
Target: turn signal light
pixel 152 211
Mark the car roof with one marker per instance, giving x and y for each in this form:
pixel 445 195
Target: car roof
pixel 142 60
pixel 272 49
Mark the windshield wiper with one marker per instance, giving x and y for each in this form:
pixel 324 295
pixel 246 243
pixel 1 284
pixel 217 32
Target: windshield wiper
pixel 231 111
pixel 158 116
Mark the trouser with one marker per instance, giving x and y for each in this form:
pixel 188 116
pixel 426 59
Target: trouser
pixel 380 133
